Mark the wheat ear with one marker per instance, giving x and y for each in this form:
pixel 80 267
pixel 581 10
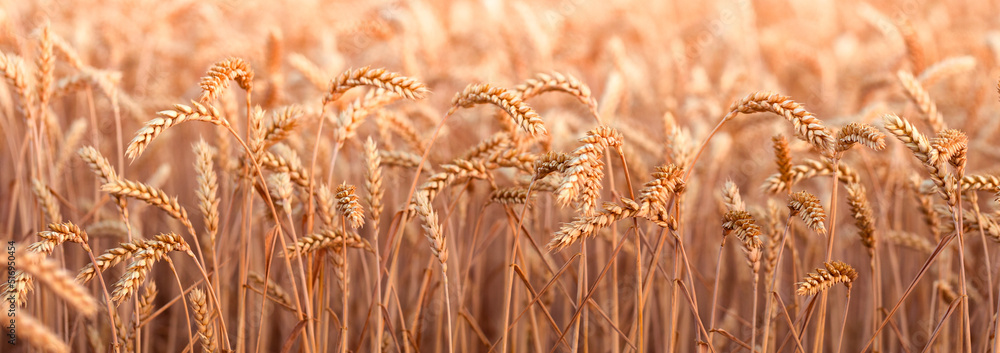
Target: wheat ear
pixel 586 226
pixel 326 238
pixel 38 336
pixel 207 192
pixel 808 207
pixel 584 172
pixel 823 279
pixel 217 78
pixel 373 180
pixel 167 118
pixel 13 71
pixel 46 65
pixel 58 280
pixel 380 78
pixel 858 133
pixel 807 126
pixel 202 316
pixel 142 263
pixel 349 205
pixel 151 195
pixel 47 199
pixel 522 114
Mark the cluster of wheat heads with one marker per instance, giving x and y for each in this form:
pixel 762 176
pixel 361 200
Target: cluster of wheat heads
pixel 427 209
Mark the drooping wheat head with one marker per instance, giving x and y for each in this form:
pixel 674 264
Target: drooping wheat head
pixel 823 279
pixel 808 207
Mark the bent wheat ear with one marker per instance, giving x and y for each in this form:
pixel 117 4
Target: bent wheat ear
pixel 924 152
pixel 59 233
pixel 218 76
pixel 167 118
pixel 149 254
pixel 326 238
pixel 110 258
pixel 349 206
pixel 38 336
pixel 862 212
pixel 510 196
pixel 922 99
pixel 58 280
pixel 864 134
pixel 522 114
pixel 741 224
pixel 545 82
pixel 149 194
pixel 380 78
pixel 433 230
pixel 823 279
pixel 584 172
pixel 808 207
pixel 587 226
pixel 807 126
pixel 783 158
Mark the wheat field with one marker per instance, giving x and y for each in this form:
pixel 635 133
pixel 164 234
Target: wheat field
pixel 500 176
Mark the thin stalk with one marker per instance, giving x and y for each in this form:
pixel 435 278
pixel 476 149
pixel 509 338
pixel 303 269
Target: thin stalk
pixel 843 325
pixel 774 281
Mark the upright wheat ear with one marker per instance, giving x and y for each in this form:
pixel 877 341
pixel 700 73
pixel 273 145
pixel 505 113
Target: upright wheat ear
pixel 821 280
pixel 808 207
pixel 202 316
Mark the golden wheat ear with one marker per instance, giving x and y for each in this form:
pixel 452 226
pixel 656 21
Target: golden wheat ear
pixel 808 207
pixel 403 86
pixel 823 279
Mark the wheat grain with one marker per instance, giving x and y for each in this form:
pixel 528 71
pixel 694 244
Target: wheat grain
pixel 783 158
pixel 985 182
pixel 808 207
pixel 326 238
pixel 821 280
pixel 667 180
pixel 586 226
pixel 149 194
pixel 924 152
pixel 946 68
pixel 433 231
pixel 857 200
pixel 147 301
pixel 808 169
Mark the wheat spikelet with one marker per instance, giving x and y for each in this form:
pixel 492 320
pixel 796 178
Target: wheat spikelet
pixel 272 289
pixel 554 81
pixel 912 42
pixel 586 226
pixel 433 231
pixel 451 173
pixel 98 164
pixel 275 77
pixel 216 80
pixel 807 126
pixel 46 65
pixel 110 258
pixel 821 280
pixel 13 71
pixel 142 263
pixel 808 169
pixel 864 134
pixel 549 163
pixel 149 194
pixel 497 142
pixel 401 85
pixel 857 200
pixel 62 47
pixel 57 279
pixel 202 317
pixel 373 180
pixel 402 127
pixel 519 111
pixel 946 68
pixel 38 336
pixel 167 118
pixel 326 238
pixel 401 159
pixel 349 205
pixel 109 228
pixel 922 99
pixel 808 207
pixel 47 199
pixel 985 182
pixel 207 192
pixel 59 233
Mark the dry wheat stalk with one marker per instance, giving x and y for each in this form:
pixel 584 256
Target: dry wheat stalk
pixel 808 169
pixel 401 85
pixel 373 180
pixel 807 126
pixel 167 118
pixel 216 80
pixel 860 133
pixel 349 205
pixel 143 260
pixel 922 99
pixel 151 195
pixel 272 289
pixel 57 279
pixel 519 111
pixel 326 238
pixel 38 336
pixel 586 226
pixel 47 199
pixel 808 207
pixel 202 316
pixel 821 280
pixel 861 210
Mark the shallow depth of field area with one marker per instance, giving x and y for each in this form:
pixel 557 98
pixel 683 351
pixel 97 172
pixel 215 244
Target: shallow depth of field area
pixel 500 176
